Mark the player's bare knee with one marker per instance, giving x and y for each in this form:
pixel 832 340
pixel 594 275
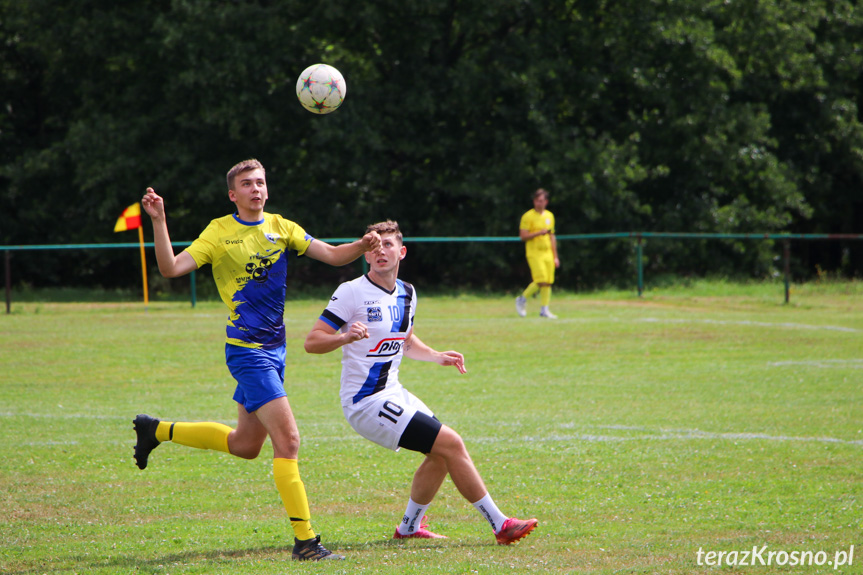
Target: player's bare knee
pixel 449 443
pixel 251 452
pixel 245 443
pixel 286 443
pixel 245 449
pixel 432 460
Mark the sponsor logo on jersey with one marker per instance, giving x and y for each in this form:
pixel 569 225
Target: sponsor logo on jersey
pixel 375 314
pixel 387 347
pixel 259 270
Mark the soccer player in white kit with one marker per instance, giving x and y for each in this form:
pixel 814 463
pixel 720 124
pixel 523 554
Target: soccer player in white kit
pixel 371 318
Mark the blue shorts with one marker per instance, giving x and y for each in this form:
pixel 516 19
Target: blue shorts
pixel 260 374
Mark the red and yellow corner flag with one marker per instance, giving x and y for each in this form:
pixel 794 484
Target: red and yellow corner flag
pixel 129 220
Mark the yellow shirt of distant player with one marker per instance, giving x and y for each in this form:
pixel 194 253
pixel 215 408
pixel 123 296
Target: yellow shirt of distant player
pixel 533 221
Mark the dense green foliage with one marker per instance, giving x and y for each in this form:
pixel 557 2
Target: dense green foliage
pixel 699 116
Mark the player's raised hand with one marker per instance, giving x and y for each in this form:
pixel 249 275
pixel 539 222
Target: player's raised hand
pixel 453 358
pixel 153 204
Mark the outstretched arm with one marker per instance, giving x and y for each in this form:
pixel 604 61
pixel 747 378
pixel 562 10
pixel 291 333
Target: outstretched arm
pixel 170 266
pixel 417 349
pixel 345 253
pixel 324 339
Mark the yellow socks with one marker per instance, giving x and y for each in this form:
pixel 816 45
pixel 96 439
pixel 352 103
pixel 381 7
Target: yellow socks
pixel 287 476
pixel 163 432
pixel 205 435
pixel 530 290
pixel 286 472
pixel 545 295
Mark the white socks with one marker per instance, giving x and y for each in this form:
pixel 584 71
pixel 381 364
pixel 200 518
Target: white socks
pixel 415 512
pixel 413 517
pixel 491 513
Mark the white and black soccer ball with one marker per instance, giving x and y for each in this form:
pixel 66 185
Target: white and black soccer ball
pixel 321 89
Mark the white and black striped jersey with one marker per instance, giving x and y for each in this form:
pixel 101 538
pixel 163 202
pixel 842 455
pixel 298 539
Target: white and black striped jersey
pixel 371 365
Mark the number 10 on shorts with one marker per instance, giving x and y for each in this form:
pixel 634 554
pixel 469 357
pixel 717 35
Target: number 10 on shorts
pixel 391 411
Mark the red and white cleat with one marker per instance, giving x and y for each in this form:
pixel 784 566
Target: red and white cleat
pixel 514 529
pixel 421 533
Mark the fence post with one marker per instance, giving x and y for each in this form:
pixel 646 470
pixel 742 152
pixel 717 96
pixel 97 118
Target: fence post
pixel 193 292
pixel 640 267
pixel 8 267
pixel 787 257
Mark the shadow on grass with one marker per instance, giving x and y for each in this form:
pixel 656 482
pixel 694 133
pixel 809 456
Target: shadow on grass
pixel 223 557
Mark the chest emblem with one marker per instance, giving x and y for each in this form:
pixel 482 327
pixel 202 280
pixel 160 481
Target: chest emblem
pixel 259 267
pixel 374 314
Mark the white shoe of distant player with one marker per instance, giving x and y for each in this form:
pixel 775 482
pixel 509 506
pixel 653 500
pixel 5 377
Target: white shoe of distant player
pixel 547 314
pixel 521 305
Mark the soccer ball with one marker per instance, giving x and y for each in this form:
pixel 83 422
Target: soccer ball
pixel 321 89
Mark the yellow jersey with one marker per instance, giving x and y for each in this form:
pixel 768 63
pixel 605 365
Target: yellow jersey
pixel 250 268
pixel 533 221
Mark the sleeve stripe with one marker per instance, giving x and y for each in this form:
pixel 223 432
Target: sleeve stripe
pixel 407 320
pixel 332 319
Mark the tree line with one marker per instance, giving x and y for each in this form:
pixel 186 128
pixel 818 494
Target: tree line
pixel 720 116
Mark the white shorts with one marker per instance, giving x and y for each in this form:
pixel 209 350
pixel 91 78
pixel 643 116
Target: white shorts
pixel 382 417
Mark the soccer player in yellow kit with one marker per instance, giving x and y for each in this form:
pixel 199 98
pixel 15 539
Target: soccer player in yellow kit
pixel 536 230
pixel 249 252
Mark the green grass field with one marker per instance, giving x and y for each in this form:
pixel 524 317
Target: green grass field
pixel 638 432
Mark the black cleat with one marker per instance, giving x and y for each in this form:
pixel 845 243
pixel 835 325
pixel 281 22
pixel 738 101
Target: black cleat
pixel 312 550
pixel 145 428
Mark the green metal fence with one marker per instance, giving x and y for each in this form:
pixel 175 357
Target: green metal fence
pixel 638 237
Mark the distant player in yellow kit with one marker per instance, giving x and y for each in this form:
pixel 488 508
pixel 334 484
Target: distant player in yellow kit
pixel 536 230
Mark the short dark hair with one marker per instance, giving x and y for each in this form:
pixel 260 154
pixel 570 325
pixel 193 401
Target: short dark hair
pixel 387 227
pixel 244 166
pixel 540 192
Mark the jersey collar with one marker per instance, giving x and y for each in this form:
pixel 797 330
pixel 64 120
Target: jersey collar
pixel 380 287
pixel 245 223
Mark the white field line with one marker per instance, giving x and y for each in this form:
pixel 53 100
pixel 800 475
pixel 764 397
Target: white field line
pixel 65 415
pixel 669 436
pixel 674 434
pixel 847 363
pixel 686 434
pixel 753 323
pixel 636 434
pixel 612 319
